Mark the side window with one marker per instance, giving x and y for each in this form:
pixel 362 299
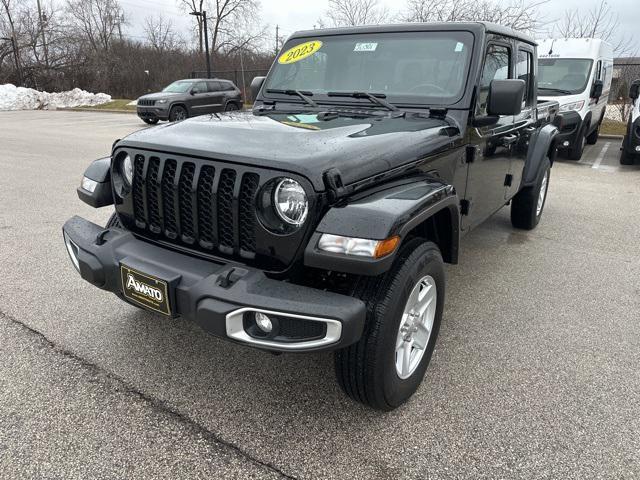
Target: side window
pixel 199 87
pixel 598 75
pixel 496 67
pixel 214 86
pixel 524 71
pixel 228 86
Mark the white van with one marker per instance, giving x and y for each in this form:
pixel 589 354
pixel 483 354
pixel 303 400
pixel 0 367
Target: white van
pixel 631 143
pixel 577 73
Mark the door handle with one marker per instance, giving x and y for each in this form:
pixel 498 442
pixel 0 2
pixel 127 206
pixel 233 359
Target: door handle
pixel 509 140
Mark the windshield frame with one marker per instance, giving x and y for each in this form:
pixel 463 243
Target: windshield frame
pixel 404 101
pixel 589 72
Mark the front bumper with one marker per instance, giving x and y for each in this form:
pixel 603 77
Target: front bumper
pixel 569 130
pixel 198 291
pixel 153 112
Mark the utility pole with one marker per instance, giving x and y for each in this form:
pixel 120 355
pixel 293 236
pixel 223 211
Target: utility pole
pixel 43 21
pixel 203 14
pixel 277 38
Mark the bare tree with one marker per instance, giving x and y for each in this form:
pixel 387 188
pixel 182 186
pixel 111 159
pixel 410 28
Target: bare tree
pixel 231 24
pixel 195 6
pixel 518 14
pixel 161 34
pixel 98 21
pixel 599 22
pixel 348 13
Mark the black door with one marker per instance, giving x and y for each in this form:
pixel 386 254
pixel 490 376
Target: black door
pixel 487 173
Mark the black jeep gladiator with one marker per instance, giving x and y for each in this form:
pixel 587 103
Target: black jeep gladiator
pixel 322 219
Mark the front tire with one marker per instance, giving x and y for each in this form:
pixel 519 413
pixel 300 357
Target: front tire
pixel 592 138
pixel 625 158
pixel 527 206
pixel 404 310
pixel 576 151
pixel 178 113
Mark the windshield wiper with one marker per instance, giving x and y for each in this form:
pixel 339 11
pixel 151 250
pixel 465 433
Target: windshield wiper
pixel 301 94
pixel 372 97
pixel 559 90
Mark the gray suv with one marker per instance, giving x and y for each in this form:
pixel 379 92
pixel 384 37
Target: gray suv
pixel 189 98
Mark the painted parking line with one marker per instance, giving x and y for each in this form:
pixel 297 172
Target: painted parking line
pixel 601 155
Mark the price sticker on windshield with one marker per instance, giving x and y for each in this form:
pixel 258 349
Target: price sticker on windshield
pixel 300 52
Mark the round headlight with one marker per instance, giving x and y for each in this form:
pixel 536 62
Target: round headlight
pixel 126 168
pixel 290 202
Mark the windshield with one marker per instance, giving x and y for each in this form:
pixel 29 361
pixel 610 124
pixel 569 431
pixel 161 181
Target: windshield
pixel 407 67
pixel 563 76
pixel 179 87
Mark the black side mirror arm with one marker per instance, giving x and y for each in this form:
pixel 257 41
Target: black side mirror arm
pixel 484 121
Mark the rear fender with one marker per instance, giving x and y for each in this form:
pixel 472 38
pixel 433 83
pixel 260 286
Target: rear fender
pixel 401 209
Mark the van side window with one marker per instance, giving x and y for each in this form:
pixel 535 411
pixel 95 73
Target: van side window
pixel 496 67
pixel 524 71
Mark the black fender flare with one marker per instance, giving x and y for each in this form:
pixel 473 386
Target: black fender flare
pixel 383 212
pixel 542 145
pixel 100 172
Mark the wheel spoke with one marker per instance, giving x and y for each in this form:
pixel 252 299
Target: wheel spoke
pixel 421 337
pixel 406 358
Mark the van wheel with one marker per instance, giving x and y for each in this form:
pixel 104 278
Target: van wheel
pixel 404 310
pixel 527 206
pixel 592 138
pixel 575 152
pixel 178 113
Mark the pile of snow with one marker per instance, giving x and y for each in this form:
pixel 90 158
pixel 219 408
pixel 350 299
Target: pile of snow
pixel 19 98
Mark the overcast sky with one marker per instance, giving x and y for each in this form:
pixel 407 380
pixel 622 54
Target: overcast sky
pixel 292 15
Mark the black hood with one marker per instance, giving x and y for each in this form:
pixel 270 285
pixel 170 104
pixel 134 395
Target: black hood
pixel 159 95
pixel 302 143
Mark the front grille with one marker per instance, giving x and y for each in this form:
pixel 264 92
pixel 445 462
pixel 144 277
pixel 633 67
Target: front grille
pixel 203 206
pixel 146 103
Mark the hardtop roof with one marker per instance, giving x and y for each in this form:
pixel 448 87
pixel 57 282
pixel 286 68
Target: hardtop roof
pixel 475 27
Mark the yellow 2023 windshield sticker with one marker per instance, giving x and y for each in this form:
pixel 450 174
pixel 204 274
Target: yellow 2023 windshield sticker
pixel 300 52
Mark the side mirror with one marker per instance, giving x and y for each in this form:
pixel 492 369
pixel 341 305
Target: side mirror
pixel 634 91
pixel 596 90
pixel 256 85
pixel 505 97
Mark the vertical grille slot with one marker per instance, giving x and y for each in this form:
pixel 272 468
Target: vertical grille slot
pixel 225 206
pixel 247 215
pixel 153 205
pixel 138 187
pixel 186 202
pixel 168 198
pixel 206 206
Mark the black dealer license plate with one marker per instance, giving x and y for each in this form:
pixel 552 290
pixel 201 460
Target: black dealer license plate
pixel 145 290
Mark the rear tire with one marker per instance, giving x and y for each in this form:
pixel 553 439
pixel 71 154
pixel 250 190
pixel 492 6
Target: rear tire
pixel 368 370
pixel 231 107
pixel 178 113
pixel 576 151
pixel 527 206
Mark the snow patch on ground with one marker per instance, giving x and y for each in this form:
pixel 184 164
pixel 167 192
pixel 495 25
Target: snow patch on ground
pixel 19 98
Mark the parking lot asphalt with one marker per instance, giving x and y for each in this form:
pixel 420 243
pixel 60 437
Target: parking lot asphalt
pixel 535 374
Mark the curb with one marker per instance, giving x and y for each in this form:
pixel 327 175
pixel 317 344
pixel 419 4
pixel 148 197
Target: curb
pixel 76 109
pixel 611 137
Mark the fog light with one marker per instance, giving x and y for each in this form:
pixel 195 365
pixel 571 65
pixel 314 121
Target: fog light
pixel 264 322
pixel 565 143
pixel 638 148
pixel 72 249
pixel 89 185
